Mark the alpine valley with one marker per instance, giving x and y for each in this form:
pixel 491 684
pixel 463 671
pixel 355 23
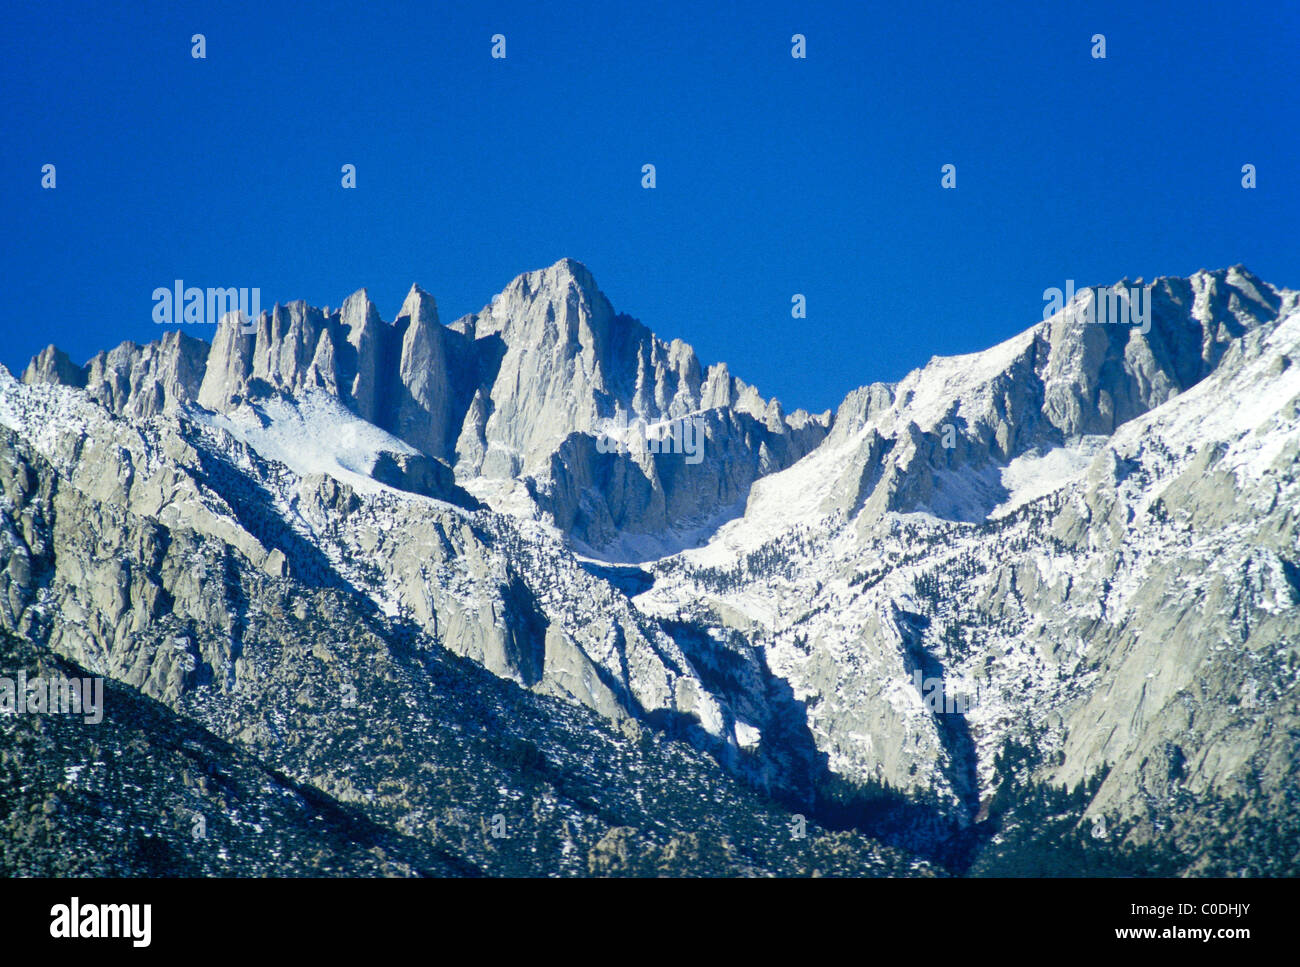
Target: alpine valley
pixel 377 598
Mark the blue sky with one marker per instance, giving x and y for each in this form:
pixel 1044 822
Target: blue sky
pixel 775 176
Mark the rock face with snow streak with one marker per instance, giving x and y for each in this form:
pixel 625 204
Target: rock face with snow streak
pixel 518 390
pixel 941 434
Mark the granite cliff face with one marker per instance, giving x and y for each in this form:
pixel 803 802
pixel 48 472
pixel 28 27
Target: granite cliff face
pixel 1088 534
pixel 515 394
pixel 945 430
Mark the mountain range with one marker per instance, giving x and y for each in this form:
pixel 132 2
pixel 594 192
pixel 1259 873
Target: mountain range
pixel 384 595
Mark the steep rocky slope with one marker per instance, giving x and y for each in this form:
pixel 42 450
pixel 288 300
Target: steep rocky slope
pixel 1119 596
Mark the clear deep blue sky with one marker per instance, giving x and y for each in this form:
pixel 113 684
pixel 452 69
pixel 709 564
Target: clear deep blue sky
pixel 775 175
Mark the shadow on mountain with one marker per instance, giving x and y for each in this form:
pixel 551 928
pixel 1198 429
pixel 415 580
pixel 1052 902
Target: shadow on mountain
pixel 790 768
pixel 628 578
pixel 422 474
pixel 950 724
